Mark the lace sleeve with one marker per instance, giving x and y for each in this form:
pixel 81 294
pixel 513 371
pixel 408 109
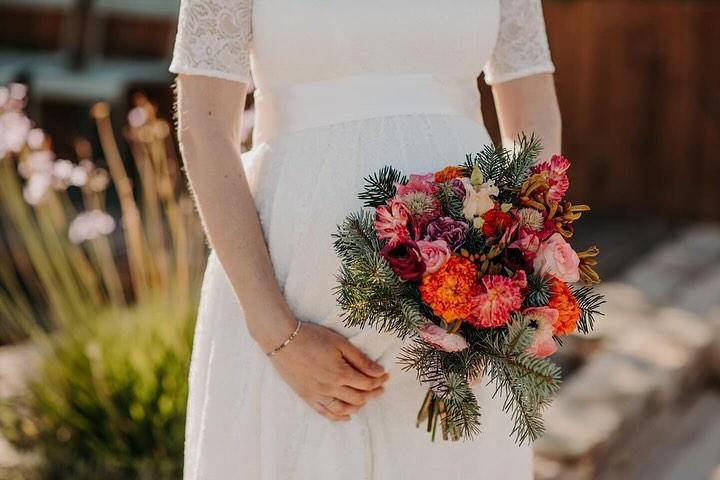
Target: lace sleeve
pixel 213 39
pixel 522 46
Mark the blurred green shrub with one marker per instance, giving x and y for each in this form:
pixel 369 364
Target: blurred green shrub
pixel 109 399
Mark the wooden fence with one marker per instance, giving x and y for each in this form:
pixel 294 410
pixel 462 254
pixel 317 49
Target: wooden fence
pixel 639 88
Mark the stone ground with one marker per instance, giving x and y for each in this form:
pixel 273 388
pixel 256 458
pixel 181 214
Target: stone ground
pixel 644 402
pixel 641 399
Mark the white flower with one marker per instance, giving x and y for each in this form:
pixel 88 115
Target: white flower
pixel 78 177
pixel 137 117
pixel 4 96
pixel 36 138
pixel 477 199
pixel 36 188
pixel 531 218
pixel 40 161
pixel 14 129
pixel 90 225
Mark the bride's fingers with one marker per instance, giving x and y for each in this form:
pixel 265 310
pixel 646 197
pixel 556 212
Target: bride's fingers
pixel 338 407
pixel 351 377
pixel 359 360
pixel 356 397
pixel 322 410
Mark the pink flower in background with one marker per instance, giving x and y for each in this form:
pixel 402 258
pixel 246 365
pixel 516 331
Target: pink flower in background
pixel 557 258
pixel 434 254
pixel 496 300
pixel 441 339
pixel 543 344
pixel 556 171
pixel 14 129
pixel 90 225
pixel 391 222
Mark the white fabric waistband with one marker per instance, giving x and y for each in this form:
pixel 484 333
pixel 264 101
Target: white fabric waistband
pixel 309 105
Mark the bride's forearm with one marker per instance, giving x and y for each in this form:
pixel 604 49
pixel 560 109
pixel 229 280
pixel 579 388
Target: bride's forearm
pixel 209 118
pixel 530 105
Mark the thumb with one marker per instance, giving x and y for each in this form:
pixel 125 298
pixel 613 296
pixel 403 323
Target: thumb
pixel 359 360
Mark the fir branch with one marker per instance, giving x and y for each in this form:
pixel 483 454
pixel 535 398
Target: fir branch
pixel 451 204
pixel 526 383
pixel 380 186
pixel 589 302
pixel 356 236
pixel 525 153
pixel 539 291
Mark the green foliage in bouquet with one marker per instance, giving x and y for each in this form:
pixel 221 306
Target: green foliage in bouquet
pixel 109 399
pixel 373 295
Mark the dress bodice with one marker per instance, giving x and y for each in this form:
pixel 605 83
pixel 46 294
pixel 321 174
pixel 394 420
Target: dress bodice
pixel 408 56
pixel 290 41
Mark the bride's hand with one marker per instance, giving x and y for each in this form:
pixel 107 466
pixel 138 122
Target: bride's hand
pixel 328 372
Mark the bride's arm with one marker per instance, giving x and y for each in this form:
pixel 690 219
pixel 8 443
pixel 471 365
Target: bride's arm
pixel 318 363
pixel 209 118
pixel 529 104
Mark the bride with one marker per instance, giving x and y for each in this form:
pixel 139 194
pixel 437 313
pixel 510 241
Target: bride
pixel 279 387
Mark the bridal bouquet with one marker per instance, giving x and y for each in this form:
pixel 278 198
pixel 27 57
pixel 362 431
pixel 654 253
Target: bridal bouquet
pixel 473 265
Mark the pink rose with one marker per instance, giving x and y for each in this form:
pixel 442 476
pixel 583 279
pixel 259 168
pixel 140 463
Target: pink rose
pixel 434 254
pixel 439 338
pixel 556 257
pixel 543 344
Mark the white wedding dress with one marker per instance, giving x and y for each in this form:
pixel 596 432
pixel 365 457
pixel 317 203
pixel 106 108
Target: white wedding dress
pixel 344 87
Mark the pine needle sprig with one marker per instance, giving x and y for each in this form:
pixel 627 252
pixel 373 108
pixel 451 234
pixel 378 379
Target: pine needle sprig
pixel 451 204
pixel 589 302
pixel 356 236
pixel 380 186
pixel 526 383
pixel 524 155
pixel 539 291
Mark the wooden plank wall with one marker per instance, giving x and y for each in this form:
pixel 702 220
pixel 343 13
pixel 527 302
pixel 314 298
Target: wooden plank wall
pixel 639 88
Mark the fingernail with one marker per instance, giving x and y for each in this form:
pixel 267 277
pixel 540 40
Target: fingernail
pixel 378 368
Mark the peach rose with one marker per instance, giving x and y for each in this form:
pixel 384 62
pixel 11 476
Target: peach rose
pixel 434 254
pixel 556 257
pixel 439 338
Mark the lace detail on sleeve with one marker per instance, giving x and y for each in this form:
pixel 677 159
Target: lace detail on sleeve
pixel 214 39
pixel 522 46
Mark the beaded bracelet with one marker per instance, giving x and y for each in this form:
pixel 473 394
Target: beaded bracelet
pixel 284 344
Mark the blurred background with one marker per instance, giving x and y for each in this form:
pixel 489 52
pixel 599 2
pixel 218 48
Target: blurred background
pixel 101 252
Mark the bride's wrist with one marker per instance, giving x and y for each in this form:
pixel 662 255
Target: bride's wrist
pixel 271 328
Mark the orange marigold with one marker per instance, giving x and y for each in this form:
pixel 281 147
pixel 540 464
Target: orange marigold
pixel 448 173
pixel 447 291
pixel 566 304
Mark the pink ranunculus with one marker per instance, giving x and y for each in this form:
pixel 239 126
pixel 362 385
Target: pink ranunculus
pixel 441 339
pixel 417 183
pixel 556 171
pixel 556 257
pixel 434 254
pixel 543 344
pixel 391 222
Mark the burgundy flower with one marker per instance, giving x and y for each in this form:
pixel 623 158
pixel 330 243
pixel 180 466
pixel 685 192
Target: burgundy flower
pixel 405 260
pixel 445 228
